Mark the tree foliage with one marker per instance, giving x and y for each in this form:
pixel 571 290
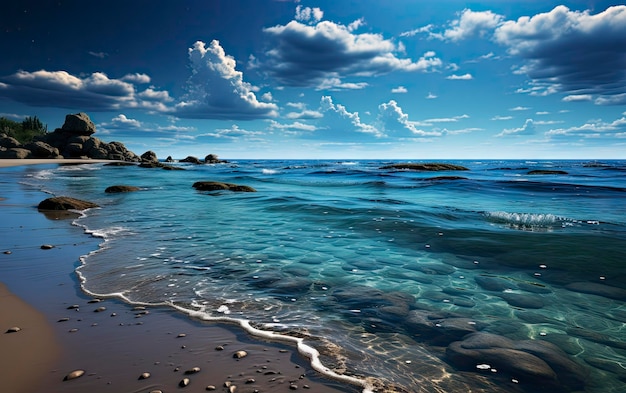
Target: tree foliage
pixel 25 131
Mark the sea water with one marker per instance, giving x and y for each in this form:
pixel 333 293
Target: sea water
pixel 490 279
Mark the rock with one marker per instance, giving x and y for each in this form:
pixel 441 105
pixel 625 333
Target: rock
pixel 144 376
pixel 65 203
pixel 426 167
pixel 546 172
pixel 184 382
pixel 8 141
pixel 493 283
pixel 79 124
pixel 215 186
pixel 41 149
pixel 121 188
pixel 570 373
pixel 598 289
pixel 46 247
pixel 193 370
pixel 240 354
pixel 212 159
pixel 149 156
pixel 74 374
pixel 191 159
pixel 15 153
pixel 13 329
pixel 169 159
pixel 523 300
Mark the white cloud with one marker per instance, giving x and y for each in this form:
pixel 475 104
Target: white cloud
pixel 519 108
pixel 399 90
pixel 527 129
pixel 502 118
pixel 295 126
pixel 578 98
pixel 308 14
pixel 312 55
pixel 216 90
pixel 136 78
pixel 431 96
pixel 122 121
pixel 471 24
pixel 305 114
pixel 342 125
pixel 572 52
pixel 593 129
pixel 446 119
pixel 337 84
pixel 393 120
pixel 464 77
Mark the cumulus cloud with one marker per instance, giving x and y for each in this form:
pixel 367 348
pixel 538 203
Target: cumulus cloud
pixel 572 52
pixel 316 54
pixel 393 120
pixel 94 92
pixel 344 125
pixel 232 134
pixel 308 14
pixel 464 77
pixel 216 90
pixel 471 24
pixel 431 96
pixel 399 90
pixel 527 129
pixel 122 121
pixel 502 118
pixel 136 78
pixel 305 114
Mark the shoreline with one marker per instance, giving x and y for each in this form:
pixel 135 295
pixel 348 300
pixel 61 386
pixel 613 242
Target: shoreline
pixel 12 162
pixel 116 345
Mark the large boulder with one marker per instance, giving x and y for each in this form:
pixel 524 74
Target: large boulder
pixel 212 159
pixel 41 149
pixel 79 124
pixel 65 203
pixel 120 188
pixel 15 153
pixel 8 141
pixel 217 186
pixel 426 167
pixel 149 156
pixel 191 159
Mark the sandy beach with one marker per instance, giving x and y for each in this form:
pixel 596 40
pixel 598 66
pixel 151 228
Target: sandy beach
pixel 63 330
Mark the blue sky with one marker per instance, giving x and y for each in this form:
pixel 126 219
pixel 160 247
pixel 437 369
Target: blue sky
pixel 405 79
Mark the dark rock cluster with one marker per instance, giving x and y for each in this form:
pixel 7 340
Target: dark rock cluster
pixel 73 140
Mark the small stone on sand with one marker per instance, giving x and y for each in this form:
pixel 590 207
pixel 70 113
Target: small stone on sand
pixel 7 252
pixel 74 374
pixel 100 309
pixel 73 307
pixel 210 387
pixel 13 329
pixel 184 382
pixel 193 370
pixel 47 247
pixel 219 348
pixel 144 376
pixel 63 319
pixel 240 354
pixel 181 335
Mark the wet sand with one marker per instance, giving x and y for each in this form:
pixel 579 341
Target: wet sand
pixel 62 329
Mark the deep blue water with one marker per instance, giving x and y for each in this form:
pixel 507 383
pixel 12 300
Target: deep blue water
pixel 498 281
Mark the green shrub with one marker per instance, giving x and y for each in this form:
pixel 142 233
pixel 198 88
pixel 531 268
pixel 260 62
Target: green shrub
pixel 25 131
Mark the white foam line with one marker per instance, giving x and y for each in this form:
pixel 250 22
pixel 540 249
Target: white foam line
pixel 304 349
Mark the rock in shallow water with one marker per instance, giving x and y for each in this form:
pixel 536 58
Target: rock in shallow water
pixel 65 203
pixel 74 374
pixel 598 289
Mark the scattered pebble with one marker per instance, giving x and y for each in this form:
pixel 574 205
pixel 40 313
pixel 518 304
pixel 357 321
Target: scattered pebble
pixel 240 354
pixel 250 380
pixel 73 307
pixel 13 329
pixel 63 319
pixel 293 387
pixel 181 335
pixel 113 314
pixel 7 252
pixel 232 389
pixel 95 301
pixel 193 370
pixel 73 330
pixel 219 348
pixel 156 391
pixel 144 376
pixel 543 267
pixel 100 309
pixel 184 382
pixel 74 374
pixel 211 387
pixel 47 247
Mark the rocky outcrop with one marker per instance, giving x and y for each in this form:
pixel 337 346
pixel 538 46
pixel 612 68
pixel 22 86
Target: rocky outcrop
pixel 213 159
pixel 73 140
pixel 120 188
pixel 426 167
pixel 65 203
pixel 216 186
pixel 192 160
pixel 149 156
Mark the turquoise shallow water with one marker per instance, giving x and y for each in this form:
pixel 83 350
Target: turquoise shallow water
pixel 490 279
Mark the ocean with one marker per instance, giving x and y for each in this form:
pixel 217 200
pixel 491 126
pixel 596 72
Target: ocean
pixel 491 279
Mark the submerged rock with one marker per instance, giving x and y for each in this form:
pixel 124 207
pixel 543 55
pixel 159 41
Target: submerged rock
pixel 216 186
pixel 426 167
pixel 121 188
pixel 546 172
pixel 65 203
pixel 597 289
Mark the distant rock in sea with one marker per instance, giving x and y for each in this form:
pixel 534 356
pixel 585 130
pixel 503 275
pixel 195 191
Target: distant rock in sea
pixel 546 172
pixel 65 203
pixel 426 167
pixel 216 186
pixel 120 188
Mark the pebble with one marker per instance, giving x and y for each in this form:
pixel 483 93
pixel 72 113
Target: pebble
pixel 100 309
pixel 219 348
pixel 95 301
pixel 240 354
pixel 156 391
pixel 74 374
pixel 250 380
pixel 73 307
pixel 181 335
pixel 193 370
pixel 13 329
pixel 47 247
pixel 184 382
pixel 211 387
pixel 73 330
pixel 7 252
pixel 144 376
pixel 293 387
pixel 63 319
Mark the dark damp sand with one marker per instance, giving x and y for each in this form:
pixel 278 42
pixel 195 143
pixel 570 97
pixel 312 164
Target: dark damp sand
pixel 115 346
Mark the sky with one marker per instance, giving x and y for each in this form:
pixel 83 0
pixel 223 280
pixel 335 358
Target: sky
pixel 345 79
